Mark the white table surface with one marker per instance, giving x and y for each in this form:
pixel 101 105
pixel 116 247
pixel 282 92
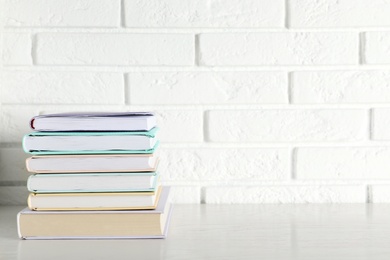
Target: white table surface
pixel 305 231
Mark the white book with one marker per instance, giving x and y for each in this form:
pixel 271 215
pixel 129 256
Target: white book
pixel 92 182
pixel 94 121
pixel 92 163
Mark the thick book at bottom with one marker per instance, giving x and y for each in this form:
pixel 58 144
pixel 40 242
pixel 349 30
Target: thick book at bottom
pixel 97 224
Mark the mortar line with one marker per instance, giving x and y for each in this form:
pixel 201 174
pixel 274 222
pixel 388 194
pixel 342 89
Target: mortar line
pixel 293 164
pixel 286 14
pixel 122 14
pixel 362 48
pixel 290 87
pixel 197 51
pixel 370 123
pixel 205 127
pixel 33 52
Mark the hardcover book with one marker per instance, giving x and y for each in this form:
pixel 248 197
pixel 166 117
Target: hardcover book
pixel 92 163
pixel 94 121
pixel 98 224
pixel 92 182
pixel 90 142
pixel 94 201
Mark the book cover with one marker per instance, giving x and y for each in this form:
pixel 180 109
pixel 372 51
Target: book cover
pixel 98 224
pixel 90 142
pixel 94 121
pixel 92 163
pixel 92 182
pixel 94 201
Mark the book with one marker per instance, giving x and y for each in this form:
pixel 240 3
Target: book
pixel 94 121
pixel 92 163
pixel 90 142
pixel 94 201
pixel 92 182
pixel 98 224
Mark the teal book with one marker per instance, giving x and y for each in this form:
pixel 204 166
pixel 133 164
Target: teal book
pixel 93 182
pixel 41 143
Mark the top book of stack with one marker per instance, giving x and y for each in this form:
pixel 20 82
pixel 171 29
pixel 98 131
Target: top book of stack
pixel 129 121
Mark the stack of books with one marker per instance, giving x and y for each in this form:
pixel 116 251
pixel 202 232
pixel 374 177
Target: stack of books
pixel 94 176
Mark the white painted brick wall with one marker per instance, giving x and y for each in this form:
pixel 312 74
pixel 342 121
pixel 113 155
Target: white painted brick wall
pixel 380 193
pixel 199 13
pixel 381 124
pixel 11 168
pixel 180 88
pixel 343 163
pixel 286 194
pixel 62 13
pixel 115 49
pixel 229 164
pixel 55 87
pixel 278 48
pixel 340 13
pixel 376 47
pixel 340 87
pixel 14 122
pixel 180 126
pixel 284 101
pixel 16 49
pixel 287 125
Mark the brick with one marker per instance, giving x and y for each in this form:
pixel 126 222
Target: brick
pixel 185 194
pixel 224 164
pixel 380 193
pixel 231 87
pixel 178 126
pixel 287 125
pixel 278 48
pixel 13 195
pixel 286 194
pixel 341 13
pixel 321 87
pixel 62 88
pixel 381 124
pixel 62 13
pixel 340 163
pixel 115 49
pixel 197 13
pixel 376 48
pixel 12 164
pixel 16 49
pixel 15 122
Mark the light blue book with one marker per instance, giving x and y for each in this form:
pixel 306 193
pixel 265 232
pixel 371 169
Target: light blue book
pixel 40 143
pixel 93 182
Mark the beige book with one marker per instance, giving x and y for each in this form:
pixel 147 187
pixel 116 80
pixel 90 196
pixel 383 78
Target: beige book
pixel 94 201
pixel 96 224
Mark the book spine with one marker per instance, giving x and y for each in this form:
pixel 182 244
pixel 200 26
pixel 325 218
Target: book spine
pixel 24 143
